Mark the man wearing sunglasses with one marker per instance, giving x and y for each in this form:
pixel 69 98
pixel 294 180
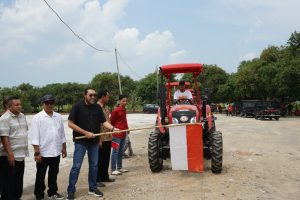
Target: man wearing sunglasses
pixel 85 119
pixel 48 139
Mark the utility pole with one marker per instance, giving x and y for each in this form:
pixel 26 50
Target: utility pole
pixel 120 87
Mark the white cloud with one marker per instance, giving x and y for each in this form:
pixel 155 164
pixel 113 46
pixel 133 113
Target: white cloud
pixel 127 40
pixel 156 44
pixel 33 34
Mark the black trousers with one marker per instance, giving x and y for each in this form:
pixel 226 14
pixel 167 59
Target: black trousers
pixel 1 176
pixel 53 164
pixel 103 163
pixel 12 179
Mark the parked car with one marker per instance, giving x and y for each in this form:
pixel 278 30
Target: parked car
pixel 267 109
pixel 247 108
pixel 150 108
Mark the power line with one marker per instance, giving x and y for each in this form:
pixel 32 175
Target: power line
pixel 80 38
pixel 128 65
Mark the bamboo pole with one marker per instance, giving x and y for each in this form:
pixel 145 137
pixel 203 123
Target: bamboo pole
pixel 138 129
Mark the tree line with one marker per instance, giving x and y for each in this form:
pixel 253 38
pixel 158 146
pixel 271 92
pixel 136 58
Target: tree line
pixel 275 74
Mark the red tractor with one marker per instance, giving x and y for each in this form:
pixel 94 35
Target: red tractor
pixel 195 111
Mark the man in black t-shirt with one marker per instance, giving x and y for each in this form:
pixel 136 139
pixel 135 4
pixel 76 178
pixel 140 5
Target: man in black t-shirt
pixel 85 119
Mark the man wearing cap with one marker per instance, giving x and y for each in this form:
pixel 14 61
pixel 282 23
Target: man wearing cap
pixel 182 93
pixel 48 139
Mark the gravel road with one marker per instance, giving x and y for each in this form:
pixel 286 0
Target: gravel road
pixel 261 161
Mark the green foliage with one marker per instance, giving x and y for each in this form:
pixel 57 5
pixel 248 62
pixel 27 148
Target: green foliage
pixel 294 43
pixel 147 88
pixel 109 81
pixel 135 102
pixel 274 75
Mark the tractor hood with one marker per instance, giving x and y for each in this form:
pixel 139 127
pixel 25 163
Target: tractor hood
pixel 184 114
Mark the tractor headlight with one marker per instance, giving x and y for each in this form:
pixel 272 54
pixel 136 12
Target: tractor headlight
pixel 193 120
pixel 175 121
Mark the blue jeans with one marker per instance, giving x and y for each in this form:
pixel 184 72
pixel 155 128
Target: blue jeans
pixel 79 153
pixel 116 156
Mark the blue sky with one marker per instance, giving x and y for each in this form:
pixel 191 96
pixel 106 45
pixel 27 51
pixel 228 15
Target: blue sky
pixel 38 49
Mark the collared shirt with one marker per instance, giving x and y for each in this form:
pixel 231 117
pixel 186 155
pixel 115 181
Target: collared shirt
pixel 16 129
pixel 48 133
pixel 118 119
pixel 89 117
pixel 103 129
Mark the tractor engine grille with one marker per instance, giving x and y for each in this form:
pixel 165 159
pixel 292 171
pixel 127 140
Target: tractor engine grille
pixel 184 116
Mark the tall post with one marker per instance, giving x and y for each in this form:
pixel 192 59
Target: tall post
pixel 157 85
pixel 120 87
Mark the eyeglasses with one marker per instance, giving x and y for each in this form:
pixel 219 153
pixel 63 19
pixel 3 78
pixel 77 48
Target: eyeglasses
pixel 92 95
pixel 49 102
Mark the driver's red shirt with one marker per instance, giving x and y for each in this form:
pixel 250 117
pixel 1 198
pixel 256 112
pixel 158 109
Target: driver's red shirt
pixel 118 119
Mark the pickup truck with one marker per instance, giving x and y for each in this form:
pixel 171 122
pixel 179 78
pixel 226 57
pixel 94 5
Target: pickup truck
pixel 267 109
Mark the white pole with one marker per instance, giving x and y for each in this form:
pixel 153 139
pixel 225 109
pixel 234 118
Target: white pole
pixel 120 87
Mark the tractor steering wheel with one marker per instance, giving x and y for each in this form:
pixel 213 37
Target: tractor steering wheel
pixel 183 101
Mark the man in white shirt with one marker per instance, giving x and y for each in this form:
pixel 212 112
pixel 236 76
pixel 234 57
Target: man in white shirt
pixel 182 93
pixel 48 139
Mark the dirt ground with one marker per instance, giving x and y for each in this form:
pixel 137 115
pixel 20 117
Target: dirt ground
pixel 261 161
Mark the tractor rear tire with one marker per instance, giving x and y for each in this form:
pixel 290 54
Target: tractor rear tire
pixel 216 152
pixel 154 151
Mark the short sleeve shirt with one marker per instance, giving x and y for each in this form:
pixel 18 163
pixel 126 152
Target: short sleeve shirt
pixel 183 95
pixel 48 133
pixel 89 118
pixel 16 129
pixel 103 129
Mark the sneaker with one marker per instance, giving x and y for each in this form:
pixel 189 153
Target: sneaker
pixel 71 196
pixel 100 184
pixel 109 180
pixel 123 170
pixel 116 172
pixel 96 192
pixel 56 196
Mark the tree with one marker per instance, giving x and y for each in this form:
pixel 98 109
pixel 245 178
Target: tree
pixel 64 93
pixel 227 91
pixel 212 77
pixel 147 88
pixel 270 54
pixel 109 81
pixel 294 43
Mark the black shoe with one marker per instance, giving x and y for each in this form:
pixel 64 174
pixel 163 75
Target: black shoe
pixel 125 156
pixel 39 198
pixel 100 184
pixel 71 196
pixel 96 192
pixel 109 180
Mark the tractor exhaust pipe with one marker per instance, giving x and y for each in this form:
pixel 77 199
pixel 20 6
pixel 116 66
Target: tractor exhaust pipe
pixel 204 110
pixel 162 99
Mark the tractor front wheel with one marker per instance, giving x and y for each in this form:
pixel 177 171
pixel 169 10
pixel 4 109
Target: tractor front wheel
pixel 154 152
pixel 216 152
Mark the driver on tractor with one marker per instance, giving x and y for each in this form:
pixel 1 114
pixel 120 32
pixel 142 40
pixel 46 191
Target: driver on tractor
pixel 182 94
